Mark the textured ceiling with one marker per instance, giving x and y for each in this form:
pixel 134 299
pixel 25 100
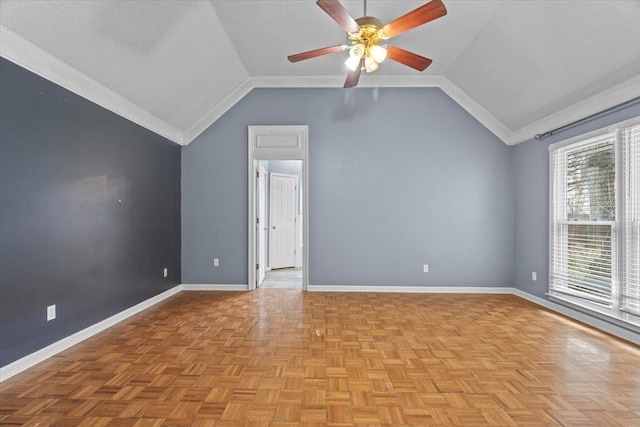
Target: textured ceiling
pixel 521 61
pixel 266 32
pixel 173 58
pixel 534 58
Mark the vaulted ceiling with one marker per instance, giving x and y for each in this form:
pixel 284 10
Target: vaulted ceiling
pixel 175 67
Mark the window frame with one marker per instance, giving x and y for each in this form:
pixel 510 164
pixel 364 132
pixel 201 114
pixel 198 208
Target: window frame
pixel 612 313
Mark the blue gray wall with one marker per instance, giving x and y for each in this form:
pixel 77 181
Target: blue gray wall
pixel 90 203
pixel 531 178
pixel 89 213
pixel 398 178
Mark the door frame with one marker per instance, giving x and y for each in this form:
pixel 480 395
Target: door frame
pixel 290 142
pixel 295 215
pixel 262 228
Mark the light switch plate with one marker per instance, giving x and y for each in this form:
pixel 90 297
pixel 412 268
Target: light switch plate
pixel 51 312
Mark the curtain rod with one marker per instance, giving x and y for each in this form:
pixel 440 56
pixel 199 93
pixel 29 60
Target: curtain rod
pixel 593 116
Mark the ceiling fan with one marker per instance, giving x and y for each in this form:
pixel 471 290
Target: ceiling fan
pixel 366 34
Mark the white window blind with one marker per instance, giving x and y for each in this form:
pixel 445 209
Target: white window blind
pixel 630 280
pixel 595 223
pixel 584 221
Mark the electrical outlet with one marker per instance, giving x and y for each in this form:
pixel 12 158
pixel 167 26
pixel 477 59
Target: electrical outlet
pixel 216 262
pixel 51 312
pixel 534 276
pixel 425 268
pixel 165 272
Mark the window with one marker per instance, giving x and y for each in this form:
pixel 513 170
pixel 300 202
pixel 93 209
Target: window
pixel 595 221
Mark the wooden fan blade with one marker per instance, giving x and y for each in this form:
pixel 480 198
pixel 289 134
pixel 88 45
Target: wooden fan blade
pixel 314 53
pixel 339 14
pixel 354 76
pixel 425 13
pixel 407 58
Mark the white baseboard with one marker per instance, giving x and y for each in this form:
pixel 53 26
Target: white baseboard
pixel 585 318
pixel 412 289
pixel 216 287
pixel 41 355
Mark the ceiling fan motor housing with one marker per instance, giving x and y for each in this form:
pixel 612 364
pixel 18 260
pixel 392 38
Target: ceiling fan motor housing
pixel 370 31
pixel 365 43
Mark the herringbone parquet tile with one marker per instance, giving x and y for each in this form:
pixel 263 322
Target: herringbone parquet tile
pixel 286 358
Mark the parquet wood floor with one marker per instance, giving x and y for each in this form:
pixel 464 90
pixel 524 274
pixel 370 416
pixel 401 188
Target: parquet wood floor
pixel 286 358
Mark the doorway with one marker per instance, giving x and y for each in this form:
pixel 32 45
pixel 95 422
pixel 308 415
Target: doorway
pixel 280 226
pixel 278 202
pixel 283 197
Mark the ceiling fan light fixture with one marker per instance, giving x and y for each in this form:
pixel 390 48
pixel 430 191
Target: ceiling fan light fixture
pixel 366 35
pixel 378 53
pixel 370 64
pixel 352 62
pixel 357 50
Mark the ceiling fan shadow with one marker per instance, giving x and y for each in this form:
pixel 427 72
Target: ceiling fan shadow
pixel 356 102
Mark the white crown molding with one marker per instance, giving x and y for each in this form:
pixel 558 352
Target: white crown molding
pixel 476 110
pixel 297 81
pixel 27 55
pixel 208 118
pixel 215 287
pixel 43 354
pixel 611 97
pixel 336 81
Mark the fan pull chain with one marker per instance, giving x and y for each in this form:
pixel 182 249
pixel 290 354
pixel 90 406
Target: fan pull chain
pixel 365 7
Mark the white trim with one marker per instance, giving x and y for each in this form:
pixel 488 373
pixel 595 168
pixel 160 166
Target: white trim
pixel 476 110
pixel 285 142
pixel 585 318
pixel 299 248
pixel 41 355
pixel 608 98
pixel 379 80
pixel 588 138
pixel 27 55
pixel 210 117
pixel 609 313
pixel 624 124
pixel 412 289
pixel 213 287
pixel 615 95
pixel 584 139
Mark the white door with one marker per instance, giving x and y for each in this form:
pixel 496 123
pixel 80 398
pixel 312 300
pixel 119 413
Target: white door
pixel 261 226
pixel 283 196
